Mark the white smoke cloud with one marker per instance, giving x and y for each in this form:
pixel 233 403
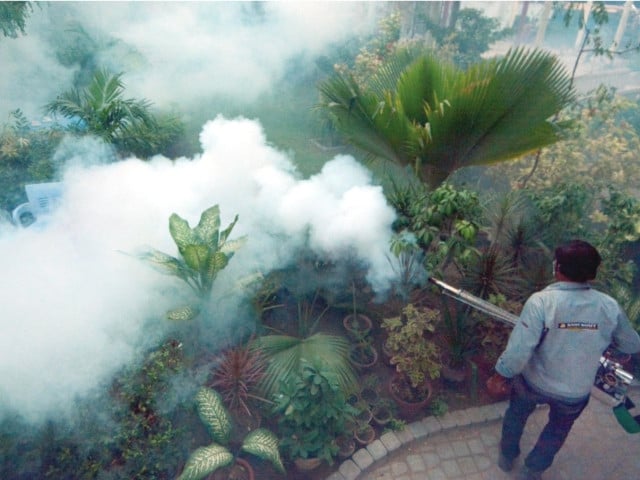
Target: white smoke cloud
pixel 75 309
pixel 173 53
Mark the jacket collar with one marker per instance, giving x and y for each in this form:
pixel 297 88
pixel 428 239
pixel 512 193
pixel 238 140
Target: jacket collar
pixel 568 286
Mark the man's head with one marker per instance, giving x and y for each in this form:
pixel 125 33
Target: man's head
pixel 577 260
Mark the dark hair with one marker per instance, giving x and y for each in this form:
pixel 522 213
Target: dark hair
pixel 578 260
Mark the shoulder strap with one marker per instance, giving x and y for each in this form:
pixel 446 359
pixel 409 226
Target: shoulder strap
pixel 545 330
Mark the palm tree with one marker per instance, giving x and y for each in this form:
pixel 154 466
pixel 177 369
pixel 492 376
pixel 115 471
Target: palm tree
pixel 100 109
pixel 421 112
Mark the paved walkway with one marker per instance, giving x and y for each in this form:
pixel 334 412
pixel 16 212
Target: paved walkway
pixel 464 445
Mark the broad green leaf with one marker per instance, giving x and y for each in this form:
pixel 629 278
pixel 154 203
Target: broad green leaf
pixel 264 444
pixel 214 415
pixel 181 232
pixel 196 256
pixel 208 228
pixel 216 262
pixel 164 263
pixel 183 313
pixel 232 246
pixel 205 460
pixel 227 231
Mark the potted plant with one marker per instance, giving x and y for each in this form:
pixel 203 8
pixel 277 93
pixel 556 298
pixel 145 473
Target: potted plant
pixel 492 336
pixel 204 250
pixel 218 455
pixel 414 354
pixel 346 444
pixel 363 355
pixel 236 375
pixel 312 411
pixel 382 413
pixel 459 338
pixel 364 434
pixel 357 325
pixel 285 352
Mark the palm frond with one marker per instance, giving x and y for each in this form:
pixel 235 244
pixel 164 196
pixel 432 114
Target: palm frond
pixel 430 115
pixel 286 354
pixel 354 114
pixel 503 110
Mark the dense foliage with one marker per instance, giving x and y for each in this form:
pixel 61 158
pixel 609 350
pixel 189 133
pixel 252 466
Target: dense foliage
pixel 491 229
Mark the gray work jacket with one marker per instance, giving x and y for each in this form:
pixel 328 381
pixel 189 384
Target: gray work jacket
pixel 582 323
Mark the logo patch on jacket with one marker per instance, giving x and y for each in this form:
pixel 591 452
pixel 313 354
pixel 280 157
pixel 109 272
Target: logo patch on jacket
pixel 577 326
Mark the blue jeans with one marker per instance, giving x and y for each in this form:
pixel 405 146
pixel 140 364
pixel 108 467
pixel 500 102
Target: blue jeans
pixel 522 403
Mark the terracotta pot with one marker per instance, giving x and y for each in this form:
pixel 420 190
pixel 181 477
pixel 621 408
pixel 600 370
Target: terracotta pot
pixel 365 434
pixel 369 395
pixel 382 415
pixel 357 325
pixel 408 408
pixel 346 446
pixel 306 464
pixel 364 415
pixel 454 376
pixel 363 356
pixel 240 470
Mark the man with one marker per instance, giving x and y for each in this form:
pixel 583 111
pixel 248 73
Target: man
pixel 553 355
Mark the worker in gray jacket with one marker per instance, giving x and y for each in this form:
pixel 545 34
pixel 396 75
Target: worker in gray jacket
pixel 553 355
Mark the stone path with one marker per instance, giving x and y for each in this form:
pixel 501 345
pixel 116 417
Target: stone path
pixel 464 445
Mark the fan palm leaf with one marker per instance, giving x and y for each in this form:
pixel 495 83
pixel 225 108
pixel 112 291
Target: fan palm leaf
pixel 428 114
pixel 286 354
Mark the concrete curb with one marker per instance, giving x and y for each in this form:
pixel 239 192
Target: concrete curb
pixel 389 442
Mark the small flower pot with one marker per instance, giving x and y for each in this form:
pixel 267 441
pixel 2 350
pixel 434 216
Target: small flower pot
pixel 369 395
pixel 357 325
pixel 363 355
pixel 453 376
pixel 364 414
pixel 346 446
pixel 307 464
pixel 365 434
pixel 382 415
pixel 398 387
pixel 239 470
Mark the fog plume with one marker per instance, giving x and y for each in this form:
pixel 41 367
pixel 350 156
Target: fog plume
pixel 76 308
pixel 172 53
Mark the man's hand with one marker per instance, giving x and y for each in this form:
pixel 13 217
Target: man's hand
pixel 498 386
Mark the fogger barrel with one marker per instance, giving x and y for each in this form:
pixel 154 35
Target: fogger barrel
pixel 476 302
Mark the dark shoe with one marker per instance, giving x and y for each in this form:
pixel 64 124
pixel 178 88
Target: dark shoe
pixel 505 464
pixel 527 474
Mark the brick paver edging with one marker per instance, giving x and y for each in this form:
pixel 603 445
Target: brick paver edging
pixel 389 442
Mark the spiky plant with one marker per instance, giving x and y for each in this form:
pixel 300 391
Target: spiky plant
pixel 236 377
pixel 260 442
pixel 491 272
